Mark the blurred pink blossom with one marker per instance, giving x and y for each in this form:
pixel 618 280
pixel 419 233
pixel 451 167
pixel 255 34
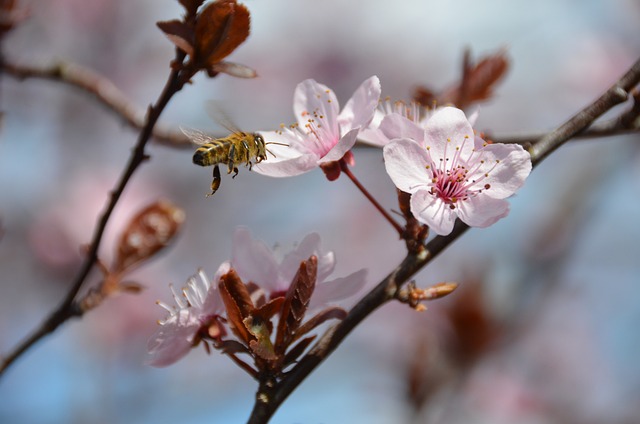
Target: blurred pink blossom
pixel 197 309
pixel 257 263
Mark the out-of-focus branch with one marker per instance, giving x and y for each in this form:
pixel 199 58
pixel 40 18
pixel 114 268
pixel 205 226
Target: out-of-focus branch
pixel 103 90
pixel 68 308
pixel 627 123
pixel 110 96
pixel 269 399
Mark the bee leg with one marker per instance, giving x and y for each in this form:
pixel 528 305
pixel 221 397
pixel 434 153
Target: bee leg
pixel 232 160
pixel 246 152
pixel 215 184
pixel 235 172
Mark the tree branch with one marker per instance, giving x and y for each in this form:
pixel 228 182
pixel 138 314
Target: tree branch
pixel 103 90
pixel 68 308
pixel 386 290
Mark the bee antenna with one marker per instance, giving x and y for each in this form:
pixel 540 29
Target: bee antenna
pixel 269 151
pixel 273 142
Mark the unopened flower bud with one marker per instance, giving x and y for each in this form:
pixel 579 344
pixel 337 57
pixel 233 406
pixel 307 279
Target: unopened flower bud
pixel 148 232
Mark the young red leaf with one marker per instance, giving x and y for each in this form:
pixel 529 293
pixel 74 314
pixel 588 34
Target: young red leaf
pixel 191 6
pixel 269 309
pixel 324 315
pixel 180 34
pixel 221 27
pixel 237 302
pixel 478 80
pixel 295 352
pixel 296 302
pixel 424 96
pixel 232 347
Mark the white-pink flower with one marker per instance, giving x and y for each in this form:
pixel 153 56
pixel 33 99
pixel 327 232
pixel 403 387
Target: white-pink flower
pixel 255 262
pixel 394 120
pixel 451 173
pixel 197 309
pixel 322 133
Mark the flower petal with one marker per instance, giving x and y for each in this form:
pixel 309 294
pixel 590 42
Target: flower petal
pixel 310 245
pixel 482 211
pixel 253 260
pixel 431 210
pixel 447 124
pixel 359 110
pixel 395 125
pixel 172 341
pixel 213 303
pixel 504 169
pixel 288 167
pixel 312 98
pixel 338 289
pixel 405 161
pixel 343 146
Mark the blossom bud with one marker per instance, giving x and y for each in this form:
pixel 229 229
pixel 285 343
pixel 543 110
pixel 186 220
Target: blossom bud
pixel 148 232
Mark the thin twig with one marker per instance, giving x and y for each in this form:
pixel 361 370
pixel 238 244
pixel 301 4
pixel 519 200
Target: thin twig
pixel 106 92
pixel 345 168
pixel 103 90
pixel 266 406
pixel 68 308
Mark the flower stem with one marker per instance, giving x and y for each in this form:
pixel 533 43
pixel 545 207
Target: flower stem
pixel 345 168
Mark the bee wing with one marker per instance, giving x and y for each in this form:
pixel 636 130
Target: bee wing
pixel 196 137
pixel 221 118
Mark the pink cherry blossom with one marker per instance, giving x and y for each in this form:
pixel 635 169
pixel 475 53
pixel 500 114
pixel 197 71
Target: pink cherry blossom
pixel 322 133
pixel 451 173
pixel 197 308
pixel 394 120
pixel 257 263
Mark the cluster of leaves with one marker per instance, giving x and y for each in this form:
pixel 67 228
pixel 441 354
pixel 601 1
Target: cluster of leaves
pixel 249 314
pixel 209 34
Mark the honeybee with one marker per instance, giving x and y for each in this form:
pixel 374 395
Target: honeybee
pixel 237 148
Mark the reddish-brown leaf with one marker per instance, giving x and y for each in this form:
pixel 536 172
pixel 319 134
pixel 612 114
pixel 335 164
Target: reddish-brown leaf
pixel 232 347
pixel 221 27
pixel 295 352
pixel 424 96
pixel 180 34
pixel 478 80
pixel 330 313
pixel 296 302
pixel 238 304
pixel 473 328
pixel 269 309
pixel 191 5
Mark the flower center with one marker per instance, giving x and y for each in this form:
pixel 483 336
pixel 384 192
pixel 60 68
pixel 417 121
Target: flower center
pixel 451 177
pixel 316 126
pixel 450 185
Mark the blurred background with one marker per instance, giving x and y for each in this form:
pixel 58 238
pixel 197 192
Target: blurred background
pixel 544 326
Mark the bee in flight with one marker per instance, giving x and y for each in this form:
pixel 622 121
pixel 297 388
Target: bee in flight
pixel 237 148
